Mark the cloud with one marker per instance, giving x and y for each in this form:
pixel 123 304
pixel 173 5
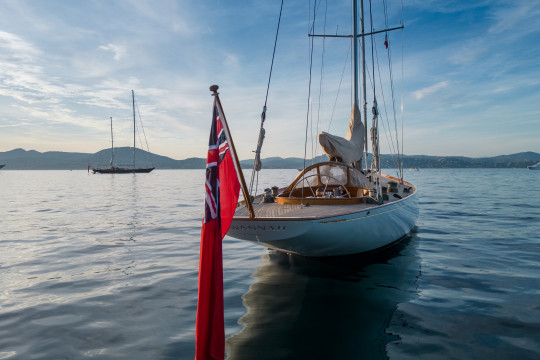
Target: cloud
pixel 470 52
pixel 422 93
pixel 520 17
pixel 118 50
pixel 17 47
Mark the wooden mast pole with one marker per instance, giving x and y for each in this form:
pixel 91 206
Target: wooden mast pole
pixel 245 192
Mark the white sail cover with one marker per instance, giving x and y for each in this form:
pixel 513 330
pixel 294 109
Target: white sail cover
pixel 349 149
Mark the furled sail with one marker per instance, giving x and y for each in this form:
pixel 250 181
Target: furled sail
pixel 348 149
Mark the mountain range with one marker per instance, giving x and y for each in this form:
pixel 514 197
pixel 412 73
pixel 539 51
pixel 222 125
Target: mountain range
pixel 20 159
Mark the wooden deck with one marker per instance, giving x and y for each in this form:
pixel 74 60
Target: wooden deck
pixel 275 210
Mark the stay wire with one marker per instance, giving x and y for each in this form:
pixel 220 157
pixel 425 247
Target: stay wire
pixel 309 94
pixel 144 133
pixel 389 139
pixel 273 54
pixel 314 152
pixel 402 93
pixel 263 115
pixel 339 87
pixel 400 156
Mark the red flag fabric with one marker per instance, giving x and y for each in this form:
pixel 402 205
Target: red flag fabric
pixel 386 41
pixel 222 191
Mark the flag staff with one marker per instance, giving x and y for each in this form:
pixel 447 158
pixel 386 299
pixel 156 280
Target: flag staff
pixel 245 193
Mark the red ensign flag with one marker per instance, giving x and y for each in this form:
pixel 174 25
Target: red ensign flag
pixel 222 191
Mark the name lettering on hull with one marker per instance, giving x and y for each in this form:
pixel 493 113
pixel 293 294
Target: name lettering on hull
pixel 258 227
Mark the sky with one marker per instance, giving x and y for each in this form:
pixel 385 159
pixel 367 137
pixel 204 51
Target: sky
pixel 466 74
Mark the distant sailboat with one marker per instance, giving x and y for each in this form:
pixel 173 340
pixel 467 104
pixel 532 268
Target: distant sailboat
pixel 112 169
pixel 1 166
pixel 534 167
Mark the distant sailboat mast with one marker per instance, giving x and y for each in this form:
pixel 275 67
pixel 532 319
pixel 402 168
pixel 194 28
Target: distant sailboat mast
pixel 112 145
pixel 133 97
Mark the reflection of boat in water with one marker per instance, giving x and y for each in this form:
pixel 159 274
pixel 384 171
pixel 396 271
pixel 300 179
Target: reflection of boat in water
pixel 324 308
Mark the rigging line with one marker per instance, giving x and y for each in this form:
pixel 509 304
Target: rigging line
pixel 402 94
pixel 397 159
pixel 273 54
pixel 389 139
pixel 321 79
pixel 400 157
pixel 394 149
pixel 144 132
pixel 142 126
pixel 263 115
pixel 374 125
pixel 309 101
pixel 372 57
pixel 257 183
pixel 311 138
pixel 393 98
pixel 339 87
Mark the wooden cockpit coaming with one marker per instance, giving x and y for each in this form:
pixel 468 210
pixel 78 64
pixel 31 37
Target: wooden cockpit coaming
pixel 340 195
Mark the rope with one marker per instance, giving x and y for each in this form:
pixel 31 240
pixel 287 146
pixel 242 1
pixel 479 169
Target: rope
pixel 313 153
pixel 144 133
pixel 257 161
pixel 402 95
pixel 309 95
pixel 390 139
pixel 374 123
pixel 339 87
pixel 273 56
pixel 399 156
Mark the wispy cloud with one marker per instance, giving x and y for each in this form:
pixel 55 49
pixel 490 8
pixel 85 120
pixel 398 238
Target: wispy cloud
pixel 430 90
pixel 519 16
pixel 118 50
pixel 470 52
pixel 16 47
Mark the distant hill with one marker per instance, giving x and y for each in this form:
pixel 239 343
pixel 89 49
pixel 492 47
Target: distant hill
pixel 519 160
pixel 20 159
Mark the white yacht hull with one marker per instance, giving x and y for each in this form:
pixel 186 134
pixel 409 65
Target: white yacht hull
pixel 370 229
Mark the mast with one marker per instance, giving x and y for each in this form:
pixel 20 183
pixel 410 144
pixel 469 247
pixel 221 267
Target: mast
pixel 355 35
pixel 133 97
pixel 355 50
pixel 364 101
pixel 112 145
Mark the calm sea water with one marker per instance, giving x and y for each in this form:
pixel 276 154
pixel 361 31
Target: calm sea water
pixel 105 266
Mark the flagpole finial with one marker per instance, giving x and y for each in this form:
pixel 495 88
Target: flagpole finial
pixel 214 89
